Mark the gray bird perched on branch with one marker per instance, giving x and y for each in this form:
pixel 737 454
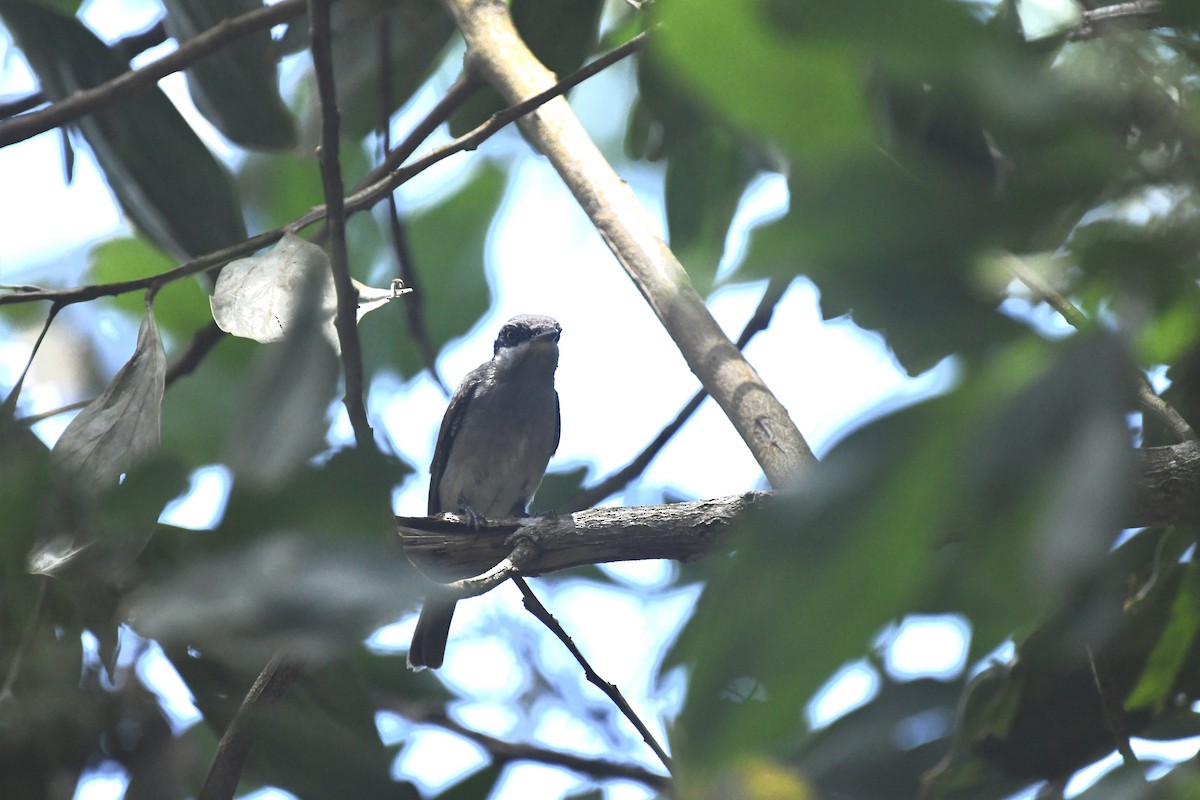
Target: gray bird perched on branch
pixel 498 434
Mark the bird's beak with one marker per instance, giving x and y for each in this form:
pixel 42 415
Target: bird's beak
pixel 548 336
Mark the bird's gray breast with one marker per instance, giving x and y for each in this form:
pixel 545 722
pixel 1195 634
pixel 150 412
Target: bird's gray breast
pixel 501 448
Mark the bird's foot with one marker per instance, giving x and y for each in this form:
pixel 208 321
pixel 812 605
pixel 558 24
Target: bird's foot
pixel 474 518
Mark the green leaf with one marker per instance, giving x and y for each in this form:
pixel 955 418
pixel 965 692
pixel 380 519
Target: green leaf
pixel 706 178
pixel 1156 687
pixel 26 481
pixel 795 72
pixel 181 306
pixel 318 740
pixel 893 249
pixel 200 409
pixel 311 597
pixel 805 94
pixel 237 87
pixel 994 502
pixel 163 176
pixel 479 785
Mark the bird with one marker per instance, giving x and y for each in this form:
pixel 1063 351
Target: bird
pixel 496 438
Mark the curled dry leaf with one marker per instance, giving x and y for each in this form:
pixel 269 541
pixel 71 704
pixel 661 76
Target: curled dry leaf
pixel 259 297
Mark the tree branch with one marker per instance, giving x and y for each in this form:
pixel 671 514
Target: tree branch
pixel 447 548
pixel 124 86
pixel 535 607
pixel 414 308
pixel 1148 398
pixel 503 751
pixel 358 201
pixel 328 152
pixel 497 54
pixel 1105 19
pixel 225 771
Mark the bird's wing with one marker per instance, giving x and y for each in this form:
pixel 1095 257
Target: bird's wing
pixel 557 425
pixel 454 417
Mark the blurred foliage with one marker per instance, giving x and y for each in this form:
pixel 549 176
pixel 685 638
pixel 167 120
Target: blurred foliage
pixel 924 149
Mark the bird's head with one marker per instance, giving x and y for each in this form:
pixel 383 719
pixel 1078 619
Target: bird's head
pixel 527 333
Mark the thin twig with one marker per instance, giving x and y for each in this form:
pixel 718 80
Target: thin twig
pixel 14 667
pixel 184 364
pixel 202 343
pixel 1148 398
pixel 110 93
pixel 536 608
pixel 588 497
pixel 414 308
pixel 225 771
pixel 10 402
pixel 505 752
pixel 524 552
pixel 358 201
pixel 1114 711
pixel 346 321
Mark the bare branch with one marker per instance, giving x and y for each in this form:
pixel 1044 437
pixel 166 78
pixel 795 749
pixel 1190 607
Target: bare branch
pixel 1114 710
pixel 225 771
pixel 447 549
pixel 496 53
pixel 535 607
pixel 414 308
pixel 10 402
pixel 202 343
pixel 328 153
pixel 1106 19
pixel 503 751
pixel 1167 487
pixel 524 551
pixel 358 201
pixel 124 86
pixel 588 497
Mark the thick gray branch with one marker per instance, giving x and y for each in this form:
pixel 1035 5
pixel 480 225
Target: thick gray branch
pixel 449 550
pixel 1168 488
pixel 496 53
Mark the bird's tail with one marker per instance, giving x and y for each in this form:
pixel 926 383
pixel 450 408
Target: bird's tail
pixel 428 647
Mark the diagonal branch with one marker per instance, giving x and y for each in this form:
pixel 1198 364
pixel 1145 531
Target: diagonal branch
pixel 1148 398
pixel 504 751
pixel 328 153
pixel 535 607
pixel 225 771
pixel 124 86
pixel 496 53
pixel 414 309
